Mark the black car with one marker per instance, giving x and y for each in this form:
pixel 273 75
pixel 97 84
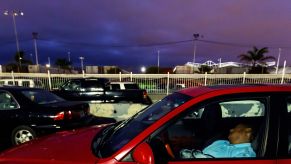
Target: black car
pixel 26 113
pixel 99 90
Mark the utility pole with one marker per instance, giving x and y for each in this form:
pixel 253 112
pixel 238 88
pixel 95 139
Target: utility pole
pixel 278 60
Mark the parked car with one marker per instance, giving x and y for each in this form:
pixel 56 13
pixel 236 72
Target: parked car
pixel 98 89
pixel 189 118
pixel 22 82
pixel 26 113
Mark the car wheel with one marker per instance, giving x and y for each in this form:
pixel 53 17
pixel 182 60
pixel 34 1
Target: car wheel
pixel 22 134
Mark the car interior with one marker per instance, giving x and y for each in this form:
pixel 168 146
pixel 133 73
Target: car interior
pixel 203 126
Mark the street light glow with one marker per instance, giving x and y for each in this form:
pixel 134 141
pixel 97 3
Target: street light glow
pixel 143 69
pixel 6 12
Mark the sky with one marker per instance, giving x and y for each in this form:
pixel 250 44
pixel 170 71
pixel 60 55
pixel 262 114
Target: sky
pixel 135 33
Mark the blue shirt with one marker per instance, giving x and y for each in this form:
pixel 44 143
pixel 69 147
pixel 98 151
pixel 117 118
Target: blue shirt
pixel 223 149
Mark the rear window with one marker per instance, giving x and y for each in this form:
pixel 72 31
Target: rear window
pixel 26 83
pixel 11 83
pixel 131 86
pixel 92 84
pixel 41 96
pixel 115 86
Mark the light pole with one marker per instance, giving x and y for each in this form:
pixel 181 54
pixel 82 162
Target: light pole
pixel 69 56
pixel 158 61
pixel 196 36
pixel 82 58
pixel 49 60
pixel 35 36
pixel 15 13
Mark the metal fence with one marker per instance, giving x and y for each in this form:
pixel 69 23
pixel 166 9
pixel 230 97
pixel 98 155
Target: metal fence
pixel 156 83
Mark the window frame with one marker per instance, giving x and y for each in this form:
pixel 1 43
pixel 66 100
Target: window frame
pixel 265 99
pixel 12 98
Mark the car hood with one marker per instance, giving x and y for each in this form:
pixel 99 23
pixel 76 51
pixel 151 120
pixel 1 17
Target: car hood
pixel 63 147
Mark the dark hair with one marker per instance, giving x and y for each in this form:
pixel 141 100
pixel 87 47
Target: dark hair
pixel 247 125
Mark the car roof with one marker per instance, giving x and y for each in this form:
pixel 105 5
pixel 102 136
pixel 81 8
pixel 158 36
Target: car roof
pixel 228 89
pixel 122 82
pixel 90 78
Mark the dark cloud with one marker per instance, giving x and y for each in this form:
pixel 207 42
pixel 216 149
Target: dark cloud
pixel 108 32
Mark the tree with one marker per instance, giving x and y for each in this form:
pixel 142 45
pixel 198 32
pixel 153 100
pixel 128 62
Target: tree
pixel 160 70
pixel 204 69
pixel 21 63
pixel 115 70
pixel 63 63
pixel 152 70
pixel 257 59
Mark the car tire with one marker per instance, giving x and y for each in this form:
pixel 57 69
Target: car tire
pixel 22 134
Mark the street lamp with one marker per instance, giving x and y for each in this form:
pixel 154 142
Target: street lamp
pixel 15 13
pixel 82 58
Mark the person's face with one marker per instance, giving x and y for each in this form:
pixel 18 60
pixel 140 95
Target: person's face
pixel 239 134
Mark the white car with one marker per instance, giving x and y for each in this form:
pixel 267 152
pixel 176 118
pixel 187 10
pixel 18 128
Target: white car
pixel 22 82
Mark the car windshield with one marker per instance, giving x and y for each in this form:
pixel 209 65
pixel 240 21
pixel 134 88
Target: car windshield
pixel 121 133
pixel 41 96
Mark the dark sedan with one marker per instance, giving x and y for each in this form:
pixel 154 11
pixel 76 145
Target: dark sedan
pixel 26 113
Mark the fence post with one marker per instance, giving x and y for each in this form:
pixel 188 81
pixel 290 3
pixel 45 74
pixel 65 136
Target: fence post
pixel 83 72
pixel 49 79
pixel 283 72
pixel 13 78
pixel 205 79
pixel 244 78
pixel 130 76
pixel 168 83
pixel 120 76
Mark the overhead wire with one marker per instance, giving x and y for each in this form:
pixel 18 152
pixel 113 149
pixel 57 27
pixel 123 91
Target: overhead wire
pixel 157 44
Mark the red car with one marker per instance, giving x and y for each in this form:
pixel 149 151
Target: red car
pixel 188 119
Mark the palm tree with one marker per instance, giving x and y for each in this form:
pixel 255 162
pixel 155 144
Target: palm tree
pixel 20 57
pixel 256 57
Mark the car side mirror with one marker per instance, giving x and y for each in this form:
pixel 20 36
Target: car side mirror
pixel 143 154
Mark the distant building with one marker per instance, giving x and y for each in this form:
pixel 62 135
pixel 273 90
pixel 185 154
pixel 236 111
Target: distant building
pixel 92 69
pixel 104 70
pixel 219 68
pixel 44 69
pixel 280 70
pixel 184 69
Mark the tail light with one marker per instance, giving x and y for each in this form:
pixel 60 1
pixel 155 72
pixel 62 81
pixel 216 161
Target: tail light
pixel 63 115
pixel 87 110
pixel 145 94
